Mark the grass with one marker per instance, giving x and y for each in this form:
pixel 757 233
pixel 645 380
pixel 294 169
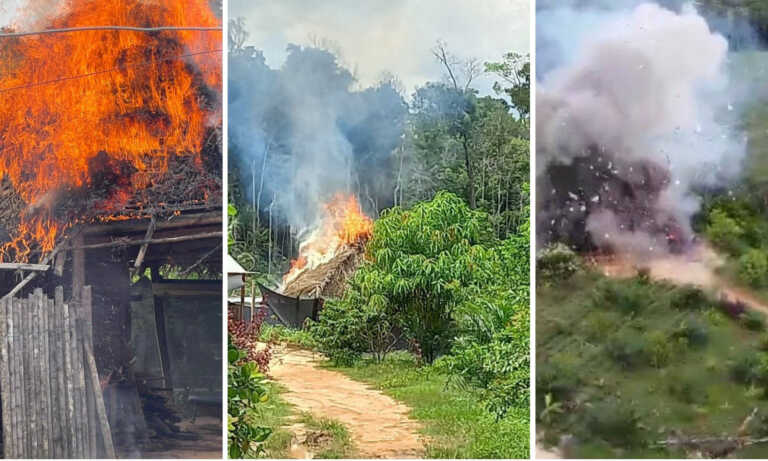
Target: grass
pixel 455 422
pixel 274 414
pixel 332 439
pixel 282 334
pixel 629 363
pixel 335 441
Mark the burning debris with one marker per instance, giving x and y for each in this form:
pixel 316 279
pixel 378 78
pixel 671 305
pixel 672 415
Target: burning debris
pixel 630 127
pixel 331 252
pixel 116 117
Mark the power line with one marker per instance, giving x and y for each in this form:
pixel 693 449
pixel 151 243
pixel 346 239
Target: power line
pixel 75 77
pixel 86 28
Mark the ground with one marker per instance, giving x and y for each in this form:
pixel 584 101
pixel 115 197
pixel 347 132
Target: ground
pixel 206 445
pixel 378 425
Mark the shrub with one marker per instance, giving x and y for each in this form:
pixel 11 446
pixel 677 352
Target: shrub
pixel 724 231
pixel 753 268
pixel 338 332
pixel 615 422
pixel 746 369
pixel 628 297
pixel 660 349
pixel 753 320
pixel 687 387
pixel 689 298
pixel 693 331
pixel 556 263
pixel 245 337
pixel 627 348
pixel 245 390
pixel 558 376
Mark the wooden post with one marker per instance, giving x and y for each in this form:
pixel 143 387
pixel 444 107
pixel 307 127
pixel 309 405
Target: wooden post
pixel 69 381
pixel 5 379
pixel 242 299
pixel 253 297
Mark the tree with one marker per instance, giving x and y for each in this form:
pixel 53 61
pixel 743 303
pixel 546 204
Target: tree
pixel 515 72
pixel 421 264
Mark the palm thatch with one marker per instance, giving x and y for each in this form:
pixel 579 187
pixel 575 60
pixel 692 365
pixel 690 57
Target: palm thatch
pixel 327 280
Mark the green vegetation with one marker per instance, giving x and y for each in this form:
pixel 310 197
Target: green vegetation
pixel 456 423
pixel 335 441
pixel 625 364
pixel 246 391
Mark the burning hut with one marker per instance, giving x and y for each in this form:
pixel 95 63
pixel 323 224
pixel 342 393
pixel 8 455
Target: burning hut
pixel 111 195
pixel 328 256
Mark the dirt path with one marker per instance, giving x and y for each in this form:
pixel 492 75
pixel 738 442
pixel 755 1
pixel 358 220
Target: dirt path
pixel 698 267
pixel 379 426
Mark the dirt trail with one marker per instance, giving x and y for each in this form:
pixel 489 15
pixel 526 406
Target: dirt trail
pixel 379 426
pixel 697 267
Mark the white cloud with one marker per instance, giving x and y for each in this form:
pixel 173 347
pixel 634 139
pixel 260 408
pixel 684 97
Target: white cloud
pixel 394 36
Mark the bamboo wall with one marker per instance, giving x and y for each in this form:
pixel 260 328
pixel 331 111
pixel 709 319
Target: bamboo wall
pixel 52 403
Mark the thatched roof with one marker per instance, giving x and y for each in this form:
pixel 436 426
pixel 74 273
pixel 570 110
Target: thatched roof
pixel 327 280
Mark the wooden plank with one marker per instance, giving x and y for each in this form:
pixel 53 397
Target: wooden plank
pixel 129 242
pixel 25 331
pixel 69 383
pixel 47 379
pixel 24 267
pixel 5 379
pixel 91 389
pixel 163 340
pixel 42 382
pixel 59 333
pixel 144 246
pixel 103 421
pixel 37 446
pixel 77 355
pixel 17 380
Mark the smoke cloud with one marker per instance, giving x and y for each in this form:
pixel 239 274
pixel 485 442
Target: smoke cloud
pixel 632 118
pixel 310 132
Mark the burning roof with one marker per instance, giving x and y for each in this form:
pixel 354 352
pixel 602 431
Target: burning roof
pixel 331 252
pixel 122 123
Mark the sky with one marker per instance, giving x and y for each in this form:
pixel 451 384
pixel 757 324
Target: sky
pixel 393 36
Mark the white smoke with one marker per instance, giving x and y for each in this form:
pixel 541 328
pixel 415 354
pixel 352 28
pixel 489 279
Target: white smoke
pixel 648 85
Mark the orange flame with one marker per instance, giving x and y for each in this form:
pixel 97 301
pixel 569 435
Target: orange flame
pixel 343 224
pixel 67 98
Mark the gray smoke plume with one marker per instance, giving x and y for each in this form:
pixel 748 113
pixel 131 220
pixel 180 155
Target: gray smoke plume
pixel 304 132
pixel 634 113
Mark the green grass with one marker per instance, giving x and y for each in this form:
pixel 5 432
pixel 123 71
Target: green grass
pixel 455 422
pixel 274 414
pixel 629 365
pixel 282 334
pixel 339 445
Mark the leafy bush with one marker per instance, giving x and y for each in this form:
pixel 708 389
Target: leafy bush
pixel 660 349
pixel 245 390
pixel 422 263
pixel 746 369
pixel 556 263
pixel 246 337
pixel 626 296
pixel 693 331
pixel 687 387
pixel 689 298
pixel 559 376
pixel 628 348
pixel 338 332
pixel 615 422
pixel 753 320
pixel 724 231
pixel 753 268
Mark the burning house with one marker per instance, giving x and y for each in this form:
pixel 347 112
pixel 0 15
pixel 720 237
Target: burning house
pixel 110 230
pixel 328 255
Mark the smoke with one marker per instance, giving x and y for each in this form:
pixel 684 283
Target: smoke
pixel 302 133
pixel 635 111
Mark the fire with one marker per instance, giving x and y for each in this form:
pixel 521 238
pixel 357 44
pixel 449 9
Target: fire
pixel 343 223
pixel 102 109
